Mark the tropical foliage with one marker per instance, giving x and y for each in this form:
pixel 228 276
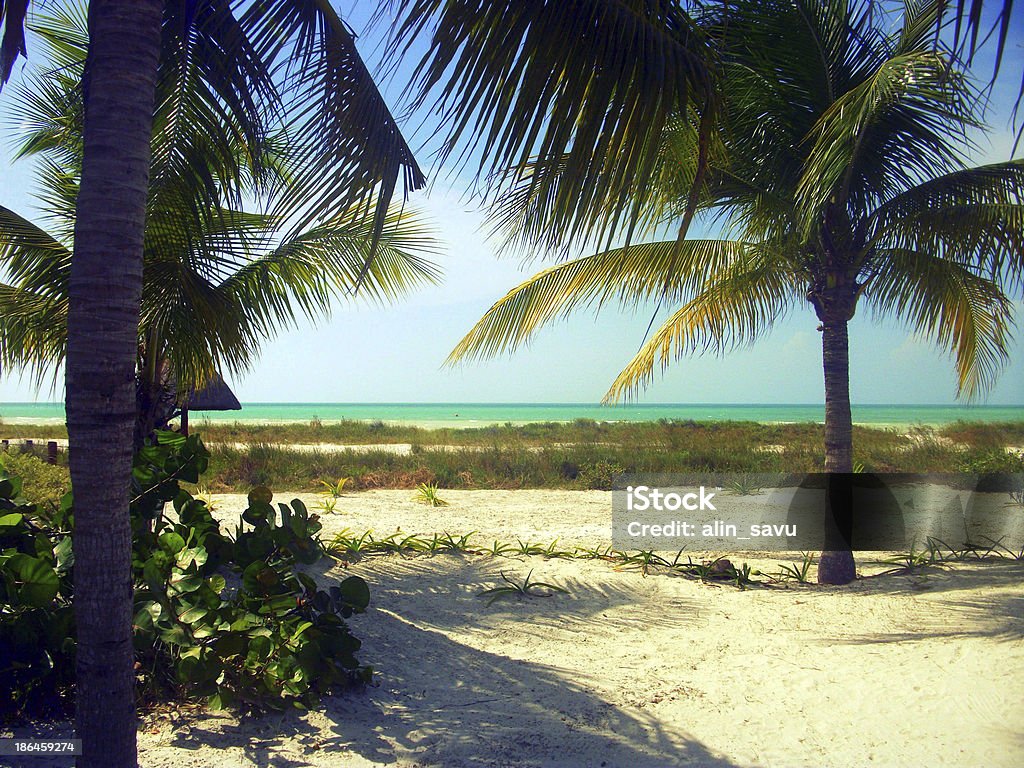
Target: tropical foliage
pixel 218 279
pixel 848 167
pixel 837 170
pixel 223 618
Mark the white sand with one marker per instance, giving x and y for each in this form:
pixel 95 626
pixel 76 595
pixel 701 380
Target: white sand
pixel 635 671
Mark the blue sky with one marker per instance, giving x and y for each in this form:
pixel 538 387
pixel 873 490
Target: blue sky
pixel 394 354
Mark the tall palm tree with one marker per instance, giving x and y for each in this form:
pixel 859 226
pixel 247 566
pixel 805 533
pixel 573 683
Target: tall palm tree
pixel 216 283
pixel 290 57
pixel 838 170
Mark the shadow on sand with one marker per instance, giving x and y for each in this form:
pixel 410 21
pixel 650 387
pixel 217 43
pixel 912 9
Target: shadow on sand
pixel 443 702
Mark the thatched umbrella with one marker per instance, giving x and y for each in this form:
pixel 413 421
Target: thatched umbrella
pixel 215 396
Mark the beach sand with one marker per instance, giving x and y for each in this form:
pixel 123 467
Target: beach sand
pixel 633 670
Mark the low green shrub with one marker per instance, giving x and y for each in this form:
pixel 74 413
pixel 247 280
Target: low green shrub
pixel 226 618
pixel 37 649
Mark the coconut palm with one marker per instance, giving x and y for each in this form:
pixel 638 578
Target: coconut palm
pixel 289 59
pixel 838 172
pixel 216 283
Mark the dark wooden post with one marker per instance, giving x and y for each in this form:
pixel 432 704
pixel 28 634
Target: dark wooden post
pixel 51 452
pixel 184 421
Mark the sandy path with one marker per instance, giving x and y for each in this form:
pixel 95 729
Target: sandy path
pixel 637 671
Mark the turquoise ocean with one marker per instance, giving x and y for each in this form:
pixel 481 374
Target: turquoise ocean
pixel 484 414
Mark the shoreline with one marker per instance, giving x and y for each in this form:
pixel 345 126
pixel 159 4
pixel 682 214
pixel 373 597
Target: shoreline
pixel 472 424
pixel 475 416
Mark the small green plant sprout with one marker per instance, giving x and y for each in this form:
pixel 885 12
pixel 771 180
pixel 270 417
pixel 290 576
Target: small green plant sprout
pixel 458 544
pixel 498 549
pixel 527 588
pixel 426 493
pixel 799 572
pixel 203 494
pixel 644 559
pixel 347 545
pixel 1000 550
pixel 336 489
pixel 328 504
pixel 930 554
pixel 744 485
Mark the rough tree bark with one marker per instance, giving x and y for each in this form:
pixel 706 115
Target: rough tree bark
pixel 103 316
pixel 835 308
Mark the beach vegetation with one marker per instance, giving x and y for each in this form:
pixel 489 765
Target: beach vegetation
pixel 335 489
pixel 833 154
pixel 744 485
pixel 328 504
pixel 427 493
pixel 798 572
pixel 525 588
pixel 710 454
pixel 228 619
pixel 43 485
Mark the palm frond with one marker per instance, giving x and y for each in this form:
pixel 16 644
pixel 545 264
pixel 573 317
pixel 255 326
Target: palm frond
pixel 30 258
pixel 213 312
pixel 974 216
pixel 584 91
pixel 33 332
pixel 631 275
pixel 888 133
pixel 736 308
pixel 347 148
pixel 12 42
pixel 954 306
pixel 519 215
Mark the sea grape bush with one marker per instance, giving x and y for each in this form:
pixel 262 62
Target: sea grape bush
pixel 225 618
pixel 36 617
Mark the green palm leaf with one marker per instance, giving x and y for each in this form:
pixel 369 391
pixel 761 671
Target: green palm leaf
pixel 516 83
pixel 668 269
pixel 737 307
pixel 951 304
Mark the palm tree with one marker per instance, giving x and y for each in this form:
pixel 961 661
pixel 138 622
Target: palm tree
pixel 294 58
pixel 215 283
pixel 838 170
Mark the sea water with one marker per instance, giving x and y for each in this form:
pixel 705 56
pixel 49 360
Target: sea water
pixel 484 414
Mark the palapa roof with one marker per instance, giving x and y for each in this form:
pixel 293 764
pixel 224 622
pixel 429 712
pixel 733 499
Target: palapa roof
pixel 215 396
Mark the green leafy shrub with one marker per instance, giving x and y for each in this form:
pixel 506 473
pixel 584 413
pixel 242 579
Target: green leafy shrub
pixel 599 476
pixel 36 618
pixel 998 469
pixel 225 618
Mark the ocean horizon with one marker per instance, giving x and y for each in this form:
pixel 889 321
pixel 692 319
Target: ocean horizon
pixel 437 415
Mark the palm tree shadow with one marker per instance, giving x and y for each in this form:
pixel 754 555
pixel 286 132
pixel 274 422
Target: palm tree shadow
pixel 446 703
pixel 959 610
pixel 440 701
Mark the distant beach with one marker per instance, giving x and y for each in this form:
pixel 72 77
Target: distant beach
pixel 454 415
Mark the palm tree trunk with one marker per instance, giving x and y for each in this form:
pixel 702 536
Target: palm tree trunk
pixel 105 290
pixel 836 564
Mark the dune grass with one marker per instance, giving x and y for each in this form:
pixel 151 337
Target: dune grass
pixel 588 455
pixel 583 454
